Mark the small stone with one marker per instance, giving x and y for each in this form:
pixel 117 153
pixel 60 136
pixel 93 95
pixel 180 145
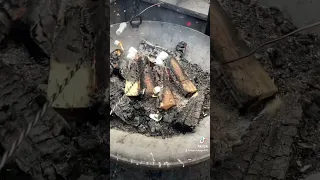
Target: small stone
pixel 142 128
pixel 305 146
pixel 85 177
pixel 157 127
pixel 258 56
pixel 305 168
pixel 154 126
pixel 136 121
pixel 299 163
pixel 169 117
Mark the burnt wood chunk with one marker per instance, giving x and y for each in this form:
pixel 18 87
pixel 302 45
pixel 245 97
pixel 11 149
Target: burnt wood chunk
pixel 132 86
pixel 247 77
pixel 191 114
pixel 168 99
pixel 148 80
pixel 124 109
pixel 185 82
pixel 158 73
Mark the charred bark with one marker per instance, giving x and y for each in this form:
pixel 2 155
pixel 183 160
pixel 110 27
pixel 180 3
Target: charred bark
pixel 191 114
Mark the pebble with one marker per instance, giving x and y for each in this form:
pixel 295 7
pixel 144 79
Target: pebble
pixel 142 129
pixel 306 167
pixel 299 163
pixel 313 177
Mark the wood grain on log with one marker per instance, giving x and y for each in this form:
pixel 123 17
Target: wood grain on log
pixel 191 114
pixel 251 82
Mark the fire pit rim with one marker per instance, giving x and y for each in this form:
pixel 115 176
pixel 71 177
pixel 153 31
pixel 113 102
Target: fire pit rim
pixel 190 141
pixel 182 162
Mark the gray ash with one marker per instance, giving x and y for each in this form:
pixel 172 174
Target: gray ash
pixel 135 111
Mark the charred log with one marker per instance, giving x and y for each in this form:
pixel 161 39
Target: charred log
pixel 148 79
pixel 190 115
pixel 185 82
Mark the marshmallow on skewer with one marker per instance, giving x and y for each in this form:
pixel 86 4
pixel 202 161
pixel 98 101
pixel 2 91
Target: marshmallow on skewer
pixel 117 43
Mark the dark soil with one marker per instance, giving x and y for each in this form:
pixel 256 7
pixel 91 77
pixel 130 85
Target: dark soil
pixel 287 145
pixel 142 107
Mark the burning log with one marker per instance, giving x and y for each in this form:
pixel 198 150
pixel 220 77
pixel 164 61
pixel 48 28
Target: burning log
pixel 186 83
pixel 167 98
pixel 148 81
pixel 132 86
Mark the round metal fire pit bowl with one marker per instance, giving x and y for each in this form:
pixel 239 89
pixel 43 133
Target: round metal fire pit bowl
pixel 155 152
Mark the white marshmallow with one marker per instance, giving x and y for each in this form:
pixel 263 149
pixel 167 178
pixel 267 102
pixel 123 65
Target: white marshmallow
pixel 156 117
pixel 131 56
pixel 116 42
pixel 161 56
pixel 121 28
pixel 156 90
pixel 133 50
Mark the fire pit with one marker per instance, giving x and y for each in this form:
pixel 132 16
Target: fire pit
pixel 173 148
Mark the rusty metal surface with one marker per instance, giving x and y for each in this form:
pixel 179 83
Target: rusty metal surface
pixel 152 152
